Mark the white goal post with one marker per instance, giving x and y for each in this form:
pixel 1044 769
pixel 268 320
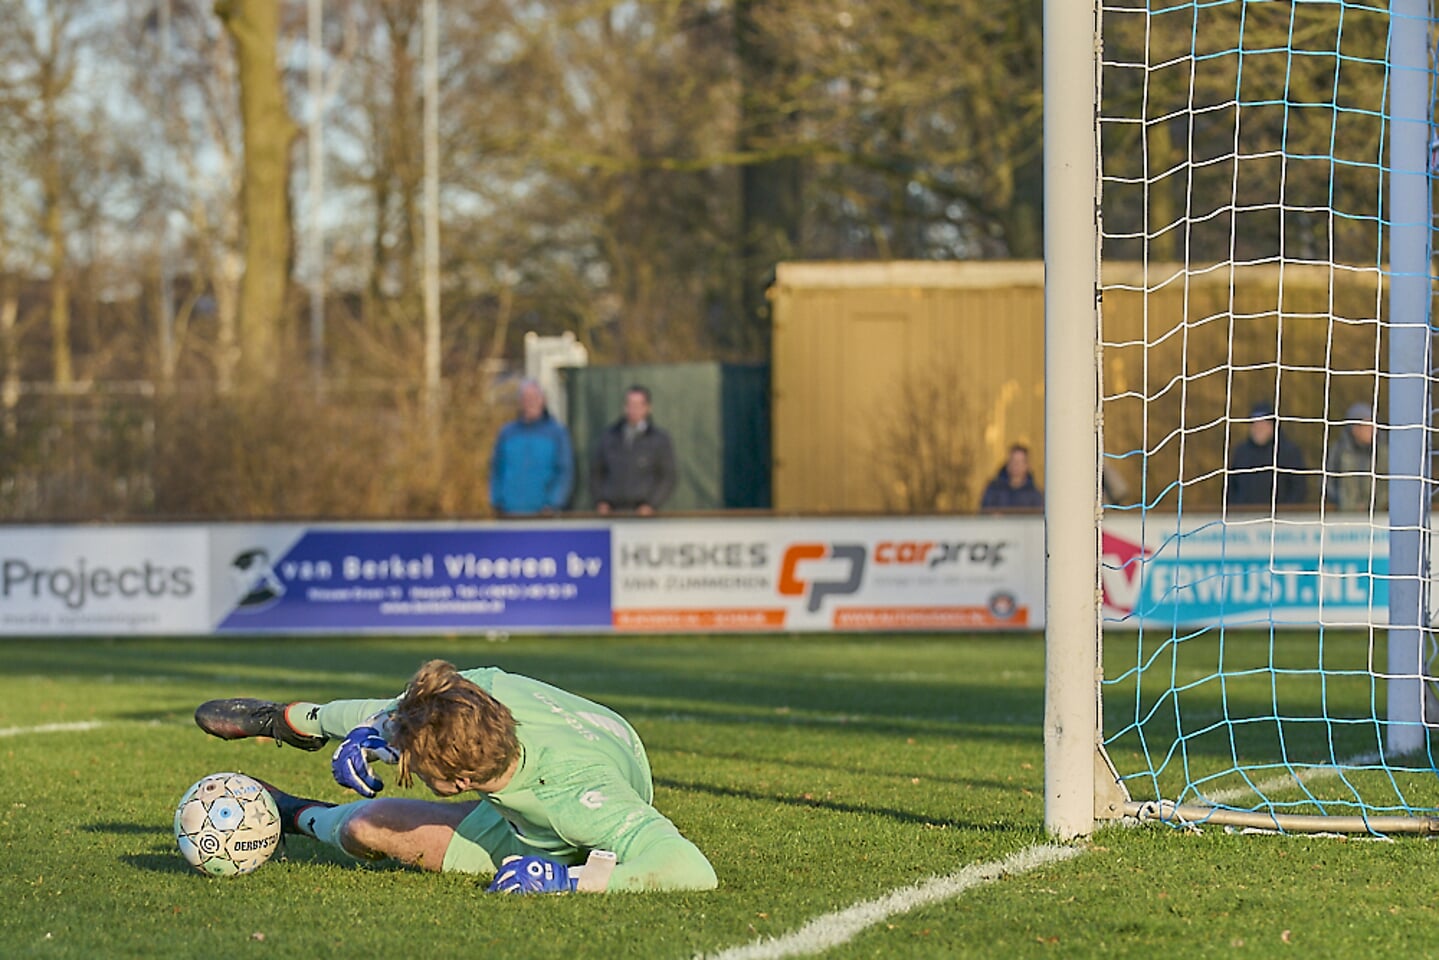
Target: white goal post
pixel 1071 415
pixel 1239 263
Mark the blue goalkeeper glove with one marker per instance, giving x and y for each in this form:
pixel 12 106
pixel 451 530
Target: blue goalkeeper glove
pixel 351 762
pixel 532 875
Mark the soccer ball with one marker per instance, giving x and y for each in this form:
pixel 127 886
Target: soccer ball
pixel 227 824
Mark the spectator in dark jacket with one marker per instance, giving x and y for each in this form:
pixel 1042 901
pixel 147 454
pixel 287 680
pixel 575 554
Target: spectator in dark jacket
pixel 533 465
pixel 1013 488
pixel 633 466
pixel 1265 468
pixel 1358 461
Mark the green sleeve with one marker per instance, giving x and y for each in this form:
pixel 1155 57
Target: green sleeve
pixel 339 717
pixel 665 863
pixel 603 812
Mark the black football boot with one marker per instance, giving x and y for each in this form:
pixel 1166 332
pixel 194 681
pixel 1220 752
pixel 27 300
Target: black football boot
pixel 240 717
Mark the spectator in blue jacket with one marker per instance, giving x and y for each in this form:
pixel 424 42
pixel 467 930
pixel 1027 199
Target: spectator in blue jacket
pixel 533 465
pixel 1013 488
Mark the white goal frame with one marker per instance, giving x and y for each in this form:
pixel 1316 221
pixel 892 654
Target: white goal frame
pixel 1080 786
pixel 1072 425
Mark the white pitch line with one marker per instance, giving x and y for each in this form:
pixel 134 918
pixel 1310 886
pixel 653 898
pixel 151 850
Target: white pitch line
pixel 52 728
pixel 833 929
pixel 1293 778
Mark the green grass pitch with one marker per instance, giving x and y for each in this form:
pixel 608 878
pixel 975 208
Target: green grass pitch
pixel 816 772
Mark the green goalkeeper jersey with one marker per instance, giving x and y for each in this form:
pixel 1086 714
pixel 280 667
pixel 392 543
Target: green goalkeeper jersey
pixel 583 783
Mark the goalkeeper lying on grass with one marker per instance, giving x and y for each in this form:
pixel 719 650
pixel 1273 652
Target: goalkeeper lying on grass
pixel 558 777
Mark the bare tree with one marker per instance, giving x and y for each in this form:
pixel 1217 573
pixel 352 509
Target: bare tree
pixel 202 127
pixel 378 126
pixel 919 124
pixel 925 444
pixel 10 106
pixel 575 191
pixel 254 29
pixel 1315 135
pixel 772 178
pixel 44 49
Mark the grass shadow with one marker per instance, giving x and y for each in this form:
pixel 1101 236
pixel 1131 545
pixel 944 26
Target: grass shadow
pixel 163 717
pixel 901 816
pixel 127 829
pixel 844 767
pixel 170 862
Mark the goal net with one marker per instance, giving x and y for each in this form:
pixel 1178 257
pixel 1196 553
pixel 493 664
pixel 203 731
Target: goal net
pixel 1263 395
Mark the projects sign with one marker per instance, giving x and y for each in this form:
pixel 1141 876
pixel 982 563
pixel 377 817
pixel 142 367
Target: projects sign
pixel 78 581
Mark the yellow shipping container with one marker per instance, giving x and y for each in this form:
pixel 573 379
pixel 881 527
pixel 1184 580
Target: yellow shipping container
pixel 899 386
pixel 903 382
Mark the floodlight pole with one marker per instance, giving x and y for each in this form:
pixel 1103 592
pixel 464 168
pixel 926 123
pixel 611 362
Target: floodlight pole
pixel 1411 223
pixel 315 235
pixel 167 265
pixel 1071 415
pixel 430 36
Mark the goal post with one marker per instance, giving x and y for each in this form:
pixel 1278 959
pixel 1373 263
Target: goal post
pixel 1071 416
pixel 1239 414
pixel 1409 361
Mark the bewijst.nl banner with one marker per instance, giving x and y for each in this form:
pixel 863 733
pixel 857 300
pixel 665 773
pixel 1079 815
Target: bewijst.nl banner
pixel 1165 571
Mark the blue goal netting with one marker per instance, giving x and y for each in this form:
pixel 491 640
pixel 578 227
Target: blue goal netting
pixel 1267 394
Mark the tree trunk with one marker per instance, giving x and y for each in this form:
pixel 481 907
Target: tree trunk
pixel 10 350
pixel 9 339
pixel 254 26
pixel 52 189
pixel 226 281
pixel 61 358
pixel 1163 210
pixel 1023 219
pixel 406 165
pixel 771 204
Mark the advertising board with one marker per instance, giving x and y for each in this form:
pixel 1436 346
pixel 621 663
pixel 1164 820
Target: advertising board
pixel 881 574
pixel 103 580
pixel 936 573
pixel 410 579
pixel 1293 571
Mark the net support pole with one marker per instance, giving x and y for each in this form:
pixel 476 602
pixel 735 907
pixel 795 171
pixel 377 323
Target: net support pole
pixel 1071 415
pixel 1409 355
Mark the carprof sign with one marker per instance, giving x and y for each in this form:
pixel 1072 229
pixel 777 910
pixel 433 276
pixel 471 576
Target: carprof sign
pixel 419 578
pixel 850 574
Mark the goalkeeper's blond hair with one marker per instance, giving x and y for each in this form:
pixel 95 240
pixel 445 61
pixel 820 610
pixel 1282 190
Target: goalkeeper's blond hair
pixel 447 728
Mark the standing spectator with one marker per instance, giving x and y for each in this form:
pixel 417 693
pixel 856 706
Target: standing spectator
pixel 1355 460
pixel 633 467
pixel 1265 468
pixel 533 465
pixel 1013 488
